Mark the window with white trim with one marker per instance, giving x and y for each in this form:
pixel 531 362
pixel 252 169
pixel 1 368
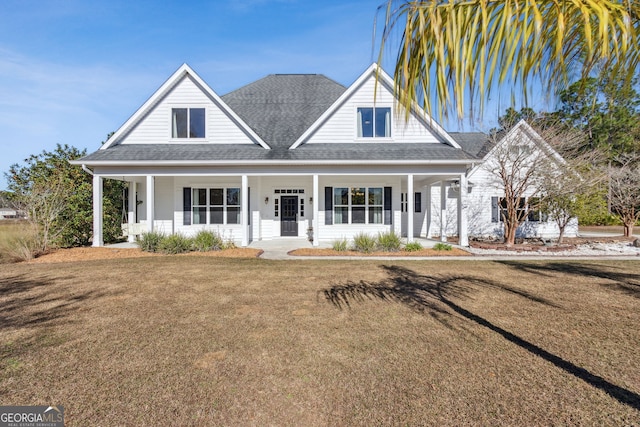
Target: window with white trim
pixel 358 205
pixel 187 123
pixel 215 205
pixel 374 122
pixel 528 209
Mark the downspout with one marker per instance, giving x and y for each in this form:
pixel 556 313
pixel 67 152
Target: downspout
pixel 86 169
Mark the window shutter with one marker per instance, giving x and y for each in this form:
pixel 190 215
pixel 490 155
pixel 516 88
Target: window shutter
pixel 328 205
pixel 417 202
pixel 387 206
pixel 495 211
pixel 186 206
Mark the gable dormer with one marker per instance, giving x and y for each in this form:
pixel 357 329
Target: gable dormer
pixel 367 112
pixel 185 110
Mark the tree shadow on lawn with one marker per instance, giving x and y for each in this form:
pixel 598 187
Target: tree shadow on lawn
pixel 27 301
pixel 622 279
pixel 433 294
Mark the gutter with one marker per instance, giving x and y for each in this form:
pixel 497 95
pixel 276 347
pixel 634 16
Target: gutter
pixel 87 170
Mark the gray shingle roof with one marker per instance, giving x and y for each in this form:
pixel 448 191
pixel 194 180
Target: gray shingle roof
pixel 281 107
pixel 477 144
pixel 249 152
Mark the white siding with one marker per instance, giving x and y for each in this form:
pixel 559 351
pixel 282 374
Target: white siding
pixel 340 127
pixel 155 126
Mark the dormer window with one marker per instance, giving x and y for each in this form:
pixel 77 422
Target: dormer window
pixel 374 122
pixel 187 123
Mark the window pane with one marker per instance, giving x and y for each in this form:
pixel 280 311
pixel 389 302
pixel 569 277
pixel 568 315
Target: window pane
pixel 357 196
pixel 233 197
pixel 383 122
pixel 200 215
pixel 341 215
pixel 179 123
pixel 340 196
pixel 233 215
pixel 196 123
pixel 216 215
pixel 375 196
pixel 216 196
pixel 365 122
pixel 199 197
pixel 357 215
pixel 375 215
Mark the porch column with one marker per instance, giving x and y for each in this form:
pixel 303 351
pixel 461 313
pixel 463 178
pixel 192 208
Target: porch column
pixel 410 208
pixel 244 213
pixel 131 218
pixel 463 226
pixel 97 211
pixel 150 202
pixel 316 211
pixel 443 211
pixel 428 214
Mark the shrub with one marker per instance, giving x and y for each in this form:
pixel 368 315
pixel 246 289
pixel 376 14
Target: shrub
pixel 207 241
pixel 413 247
pixel 175 244
pixel 149 242
pixel 340 245
pixel 23 247
pixel 442 247
pixel 363 242
pixel 389 241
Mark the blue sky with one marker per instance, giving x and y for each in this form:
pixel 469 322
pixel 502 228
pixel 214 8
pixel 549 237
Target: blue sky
pixel 71 71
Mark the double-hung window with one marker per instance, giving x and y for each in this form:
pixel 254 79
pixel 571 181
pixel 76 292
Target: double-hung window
pixel 187 123
pixel 216 205
pixel 374 122
pixel 357 205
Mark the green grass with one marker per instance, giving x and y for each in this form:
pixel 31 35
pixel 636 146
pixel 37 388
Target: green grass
pixel 190 340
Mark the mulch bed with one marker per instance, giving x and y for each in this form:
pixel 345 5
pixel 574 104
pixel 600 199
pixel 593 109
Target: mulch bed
pixel 89 254
pixel 422 253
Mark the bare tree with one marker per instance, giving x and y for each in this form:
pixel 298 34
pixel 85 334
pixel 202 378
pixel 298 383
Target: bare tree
pixel 625 191
pixel 518 163
pixel 575 175
pixel 43 204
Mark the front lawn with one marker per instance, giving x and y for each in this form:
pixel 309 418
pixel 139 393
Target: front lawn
pixel 175 340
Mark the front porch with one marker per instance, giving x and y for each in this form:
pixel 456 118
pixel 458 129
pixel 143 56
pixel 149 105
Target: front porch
pixel 320 207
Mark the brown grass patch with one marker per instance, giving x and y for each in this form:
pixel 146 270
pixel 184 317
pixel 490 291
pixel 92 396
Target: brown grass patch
pixel 194 340
pixel 427 252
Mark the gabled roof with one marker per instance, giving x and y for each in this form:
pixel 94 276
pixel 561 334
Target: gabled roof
pixel 280 107
pixel 166 87
pixel 376 72
pixel 523 126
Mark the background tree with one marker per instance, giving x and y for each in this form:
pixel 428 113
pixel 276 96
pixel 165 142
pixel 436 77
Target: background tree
pixel 451 49
pixel 57 197
pixel 625 191
pixel 571 180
